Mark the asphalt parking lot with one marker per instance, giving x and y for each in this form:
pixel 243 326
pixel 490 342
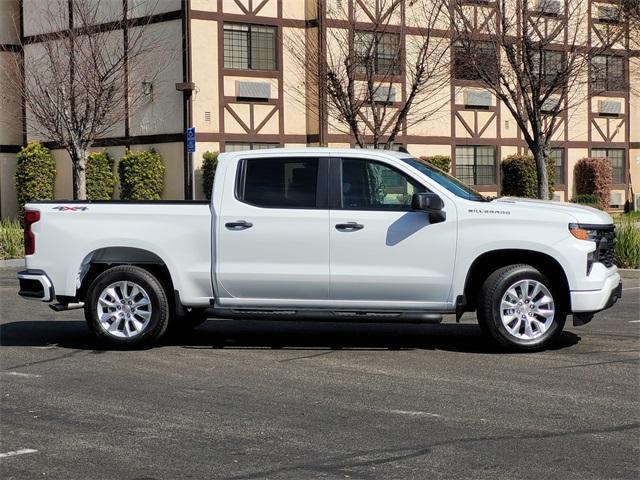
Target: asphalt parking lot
pixel 244 400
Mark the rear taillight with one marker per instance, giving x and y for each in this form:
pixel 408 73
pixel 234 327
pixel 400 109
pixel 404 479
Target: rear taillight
pixel 30 217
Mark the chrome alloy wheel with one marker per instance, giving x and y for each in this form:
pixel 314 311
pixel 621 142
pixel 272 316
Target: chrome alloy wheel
pixel 527 309
pixel 124 309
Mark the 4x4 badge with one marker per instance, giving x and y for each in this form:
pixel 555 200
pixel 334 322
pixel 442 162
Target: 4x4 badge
pixel 63 208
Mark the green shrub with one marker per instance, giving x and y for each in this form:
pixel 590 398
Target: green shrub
pixel 627 248
pixel 520 177
pixel 101 180
pixel 35 175
pixel 593 176
pixel 141 175
pixel 586 199
pixel 11 239
pixel 443 162
pixel 209 166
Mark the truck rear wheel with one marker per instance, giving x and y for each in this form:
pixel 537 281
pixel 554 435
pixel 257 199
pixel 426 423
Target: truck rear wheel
pixel 519 309
pixel 127 306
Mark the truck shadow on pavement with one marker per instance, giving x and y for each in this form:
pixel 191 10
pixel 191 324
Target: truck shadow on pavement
pixel 218 334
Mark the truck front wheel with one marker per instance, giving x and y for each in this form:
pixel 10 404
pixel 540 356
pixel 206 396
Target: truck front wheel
pixel 127 306
pixel 518 308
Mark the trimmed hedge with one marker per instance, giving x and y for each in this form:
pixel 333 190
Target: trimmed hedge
pixel 209 166
pixel 627 248
pixel 443 162
pixel 586 199
pixel 101 180
pixel 35 175
pixel 141 175
pixel 11 239
pixel 593 177
pixel 520 177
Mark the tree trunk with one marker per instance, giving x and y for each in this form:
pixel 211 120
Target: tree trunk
pixel 79 161
pixel 543 174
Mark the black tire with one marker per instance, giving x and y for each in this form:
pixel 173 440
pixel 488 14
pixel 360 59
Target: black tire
pixel 158 319
pixel 489 309
pixel 188 321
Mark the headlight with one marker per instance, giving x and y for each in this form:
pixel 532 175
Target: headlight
pixel 582 233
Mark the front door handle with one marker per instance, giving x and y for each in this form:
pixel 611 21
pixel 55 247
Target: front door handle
pixel 350 226
pixel 238 225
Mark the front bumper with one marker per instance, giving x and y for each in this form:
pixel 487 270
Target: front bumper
pixel 35 285
pixel 596 300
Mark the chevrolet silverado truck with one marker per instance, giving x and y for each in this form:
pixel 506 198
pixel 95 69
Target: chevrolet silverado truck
pixel 323 234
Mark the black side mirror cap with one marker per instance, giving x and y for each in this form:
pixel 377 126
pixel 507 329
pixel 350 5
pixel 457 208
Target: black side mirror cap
pixel 431 203
pixel 426 202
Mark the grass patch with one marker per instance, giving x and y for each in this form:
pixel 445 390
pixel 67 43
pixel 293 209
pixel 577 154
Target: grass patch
pixel 11 239
pixel 627 249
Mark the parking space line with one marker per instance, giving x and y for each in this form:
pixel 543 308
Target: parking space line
pixel 22 451
pixel 634 321
pixel 21 374
pixel 630 288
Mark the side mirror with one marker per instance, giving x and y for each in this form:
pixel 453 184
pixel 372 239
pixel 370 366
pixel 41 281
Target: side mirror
pixel 427 202
pixel 431 203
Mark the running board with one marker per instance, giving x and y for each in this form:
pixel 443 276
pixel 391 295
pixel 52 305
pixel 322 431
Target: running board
pixel 63 307
pixel 324 315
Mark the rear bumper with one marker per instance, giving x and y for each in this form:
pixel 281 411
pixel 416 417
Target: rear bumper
pixel 35 285
pixel 596 300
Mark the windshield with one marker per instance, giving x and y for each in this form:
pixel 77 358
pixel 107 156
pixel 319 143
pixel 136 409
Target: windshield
pixel 449 182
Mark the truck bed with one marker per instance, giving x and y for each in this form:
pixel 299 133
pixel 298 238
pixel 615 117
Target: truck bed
pixel 83 232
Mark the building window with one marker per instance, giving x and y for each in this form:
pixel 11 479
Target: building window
pixel 378 53
pixel 474 61
pixel 607 73
pixel 551 69
pixel 557 155
pixel 476 165
pixel 616 156
pixel 243 146
pixel 250 47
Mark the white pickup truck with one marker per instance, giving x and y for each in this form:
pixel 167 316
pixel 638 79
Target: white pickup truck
pixel 324 234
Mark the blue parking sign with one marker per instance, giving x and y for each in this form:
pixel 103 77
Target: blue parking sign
pixel 191 140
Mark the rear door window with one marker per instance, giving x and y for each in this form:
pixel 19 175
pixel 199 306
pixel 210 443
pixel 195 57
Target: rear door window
pixel 279 182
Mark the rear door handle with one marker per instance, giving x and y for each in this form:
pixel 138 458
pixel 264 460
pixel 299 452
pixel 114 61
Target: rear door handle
pixel 238 225
pixel 349 226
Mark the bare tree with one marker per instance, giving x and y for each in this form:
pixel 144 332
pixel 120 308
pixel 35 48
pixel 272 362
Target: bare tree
pixel 535 58
pixel 364 60
pixel 84 75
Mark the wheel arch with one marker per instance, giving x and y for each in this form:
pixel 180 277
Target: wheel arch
pixel 101 259
pixel 489 262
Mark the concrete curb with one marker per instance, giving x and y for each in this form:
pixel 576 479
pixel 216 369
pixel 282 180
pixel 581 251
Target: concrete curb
pixel 17 263
pixel 629 273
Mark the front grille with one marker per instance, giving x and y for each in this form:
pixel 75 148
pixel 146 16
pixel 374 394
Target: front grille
pixel 605 243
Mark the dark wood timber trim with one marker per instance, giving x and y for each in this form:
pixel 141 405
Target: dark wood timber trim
pixel 10 47
pixel 238 72
pixel 10 148
pixel 263 138
pixel 135 140
pixel 252 18
pixel 109 26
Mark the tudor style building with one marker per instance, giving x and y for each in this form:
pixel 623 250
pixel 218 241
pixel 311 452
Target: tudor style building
pixel 236 79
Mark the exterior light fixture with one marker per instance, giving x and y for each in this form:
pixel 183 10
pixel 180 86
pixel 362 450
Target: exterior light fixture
pixel 147 88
